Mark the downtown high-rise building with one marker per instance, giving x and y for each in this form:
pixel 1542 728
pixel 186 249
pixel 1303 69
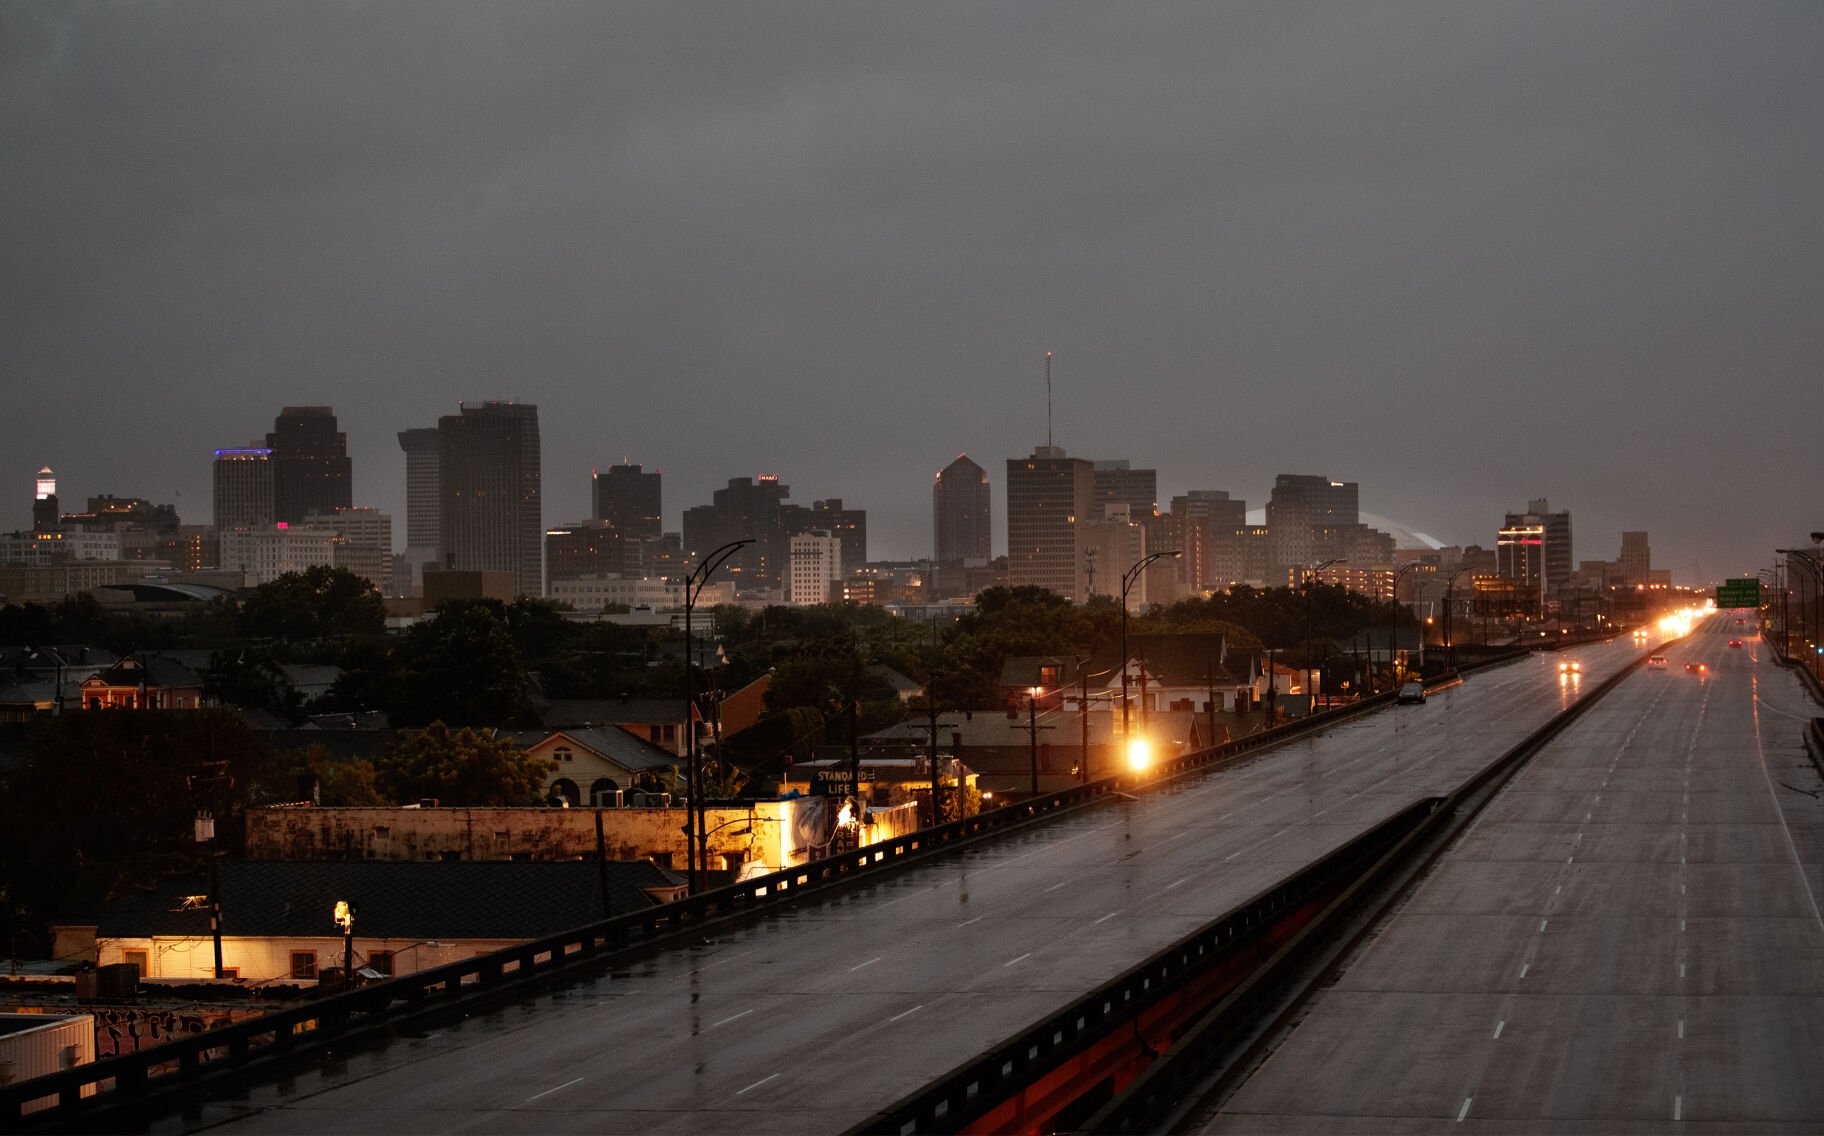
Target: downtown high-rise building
pixel 1306 520
pixel 423 448
pixel 1533 549
pixel 311 472
pixel 44 501
pixel 1636 560
pixel 1048 495
pixel 627 497
pixel 746 509
pixel 1212 530
pixel 962 512
pixel 243 488
pixel 1118 483
pixel 490 508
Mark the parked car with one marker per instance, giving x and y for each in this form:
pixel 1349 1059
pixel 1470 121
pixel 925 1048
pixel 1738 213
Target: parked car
pixel 1411 692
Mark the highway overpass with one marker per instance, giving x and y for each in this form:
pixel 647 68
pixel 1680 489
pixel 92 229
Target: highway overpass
pixel 815 1018
pixel 1627 939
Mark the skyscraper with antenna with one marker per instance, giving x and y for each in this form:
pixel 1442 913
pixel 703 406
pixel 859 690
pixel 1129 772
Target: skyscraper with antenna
pixel 1048 495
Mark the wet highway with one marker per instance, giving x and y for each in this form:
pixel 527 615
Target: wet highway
pixel 813 1019
pixel 1628 940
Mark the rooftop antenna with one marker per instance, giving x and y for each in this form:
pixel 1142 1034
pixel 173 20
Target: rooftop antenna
pixel 1047 400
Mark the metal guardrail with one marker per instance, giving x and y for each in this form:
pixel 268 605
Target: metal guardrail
pixel 954 1100
pixel 126 1079
pixel 1814 743
pixel 1171 1084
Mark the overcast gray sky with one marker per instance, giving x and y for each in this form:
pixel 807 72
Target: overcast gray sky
pixel 1463 254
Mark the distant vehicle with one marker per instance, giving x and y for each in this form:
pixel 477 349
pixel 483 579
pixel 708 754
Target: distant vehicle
pixel 1735 642
pixel 1411 692
pixel 1657 662
pixel 1571 667
pixel 1695 668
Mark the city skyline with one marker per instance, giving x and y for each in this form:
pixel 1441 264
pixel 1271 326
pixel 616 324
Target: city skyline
pixel 1104 470
pixel 1465 259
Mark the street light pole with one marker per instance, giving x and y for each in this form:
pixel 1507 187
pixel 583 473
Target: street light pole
pixel 1311 695
pixel 1450 586
pixel 1816 571
pixel 696 848
pixel 1127 582
pixel 1393 621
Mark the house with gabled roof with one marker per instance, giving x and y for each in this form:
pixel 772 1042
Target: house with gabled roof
pixel 657 720
pixel 594 763
pixel 143 682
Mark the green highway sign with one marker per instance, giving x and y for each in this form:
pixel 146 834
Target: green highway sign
pixel 1739 593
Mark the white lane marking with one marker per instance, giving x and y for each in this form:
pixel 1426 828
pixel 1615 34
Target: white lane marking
pixel 907 1014
pixel 1175 836
pixel 1277 835
pixel 1681 1029
pixel 1681 970
pixel 1559 890
pixel 1523 967
pixel 1464 1111
pixel 1542 923
pixel 1056 886
pixel 977 919
pixel 1681 924
pixel 1107 917
pixel 870 962
pixel 737 1017
pixel 1231 856
pixel 554 1088
pixel 1499 1026
pixel 723 959
pixel 1022 958
pixel 1678 1107
pixel 760 1082
pixel 1170 886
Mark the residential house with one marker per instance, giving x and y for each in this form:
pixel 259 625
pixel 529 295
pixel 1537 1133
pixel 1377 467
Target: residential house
pixel 143 682
pixel 599 765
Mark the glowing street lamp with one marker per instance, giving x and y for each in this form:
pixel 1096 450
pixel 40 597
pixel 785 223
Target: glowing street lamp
pixel 1139 755
pixel 345 919
pixel 1127 582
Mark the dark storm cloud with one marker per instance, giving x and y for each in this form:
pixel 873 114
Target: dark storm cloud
pixel 1465 255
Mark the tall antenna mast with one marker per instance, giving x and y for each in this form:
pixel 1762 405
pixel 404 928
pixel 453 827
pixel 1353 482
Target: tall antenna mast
pixel 1047 400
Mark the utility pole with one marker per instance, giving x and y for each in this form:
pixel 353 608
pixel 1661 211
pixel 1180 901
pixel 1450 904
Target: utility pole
pixel 1083 715
pixel 1032 729
pixel 1209 683
pixel 937 815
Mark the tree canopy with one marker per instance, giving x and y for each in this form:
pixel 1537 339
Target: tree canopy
pixel 466 767
pixel 317 603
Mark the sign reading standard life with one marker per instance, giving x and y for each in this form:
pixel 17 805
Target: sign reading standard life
pixel 1739 593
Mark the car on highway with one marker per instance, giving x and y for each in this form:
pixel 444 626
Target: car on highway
pixel 1657 662
pixel 1735 642
pixel 1410 693
pixel 1695 668
pixel 1571 667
